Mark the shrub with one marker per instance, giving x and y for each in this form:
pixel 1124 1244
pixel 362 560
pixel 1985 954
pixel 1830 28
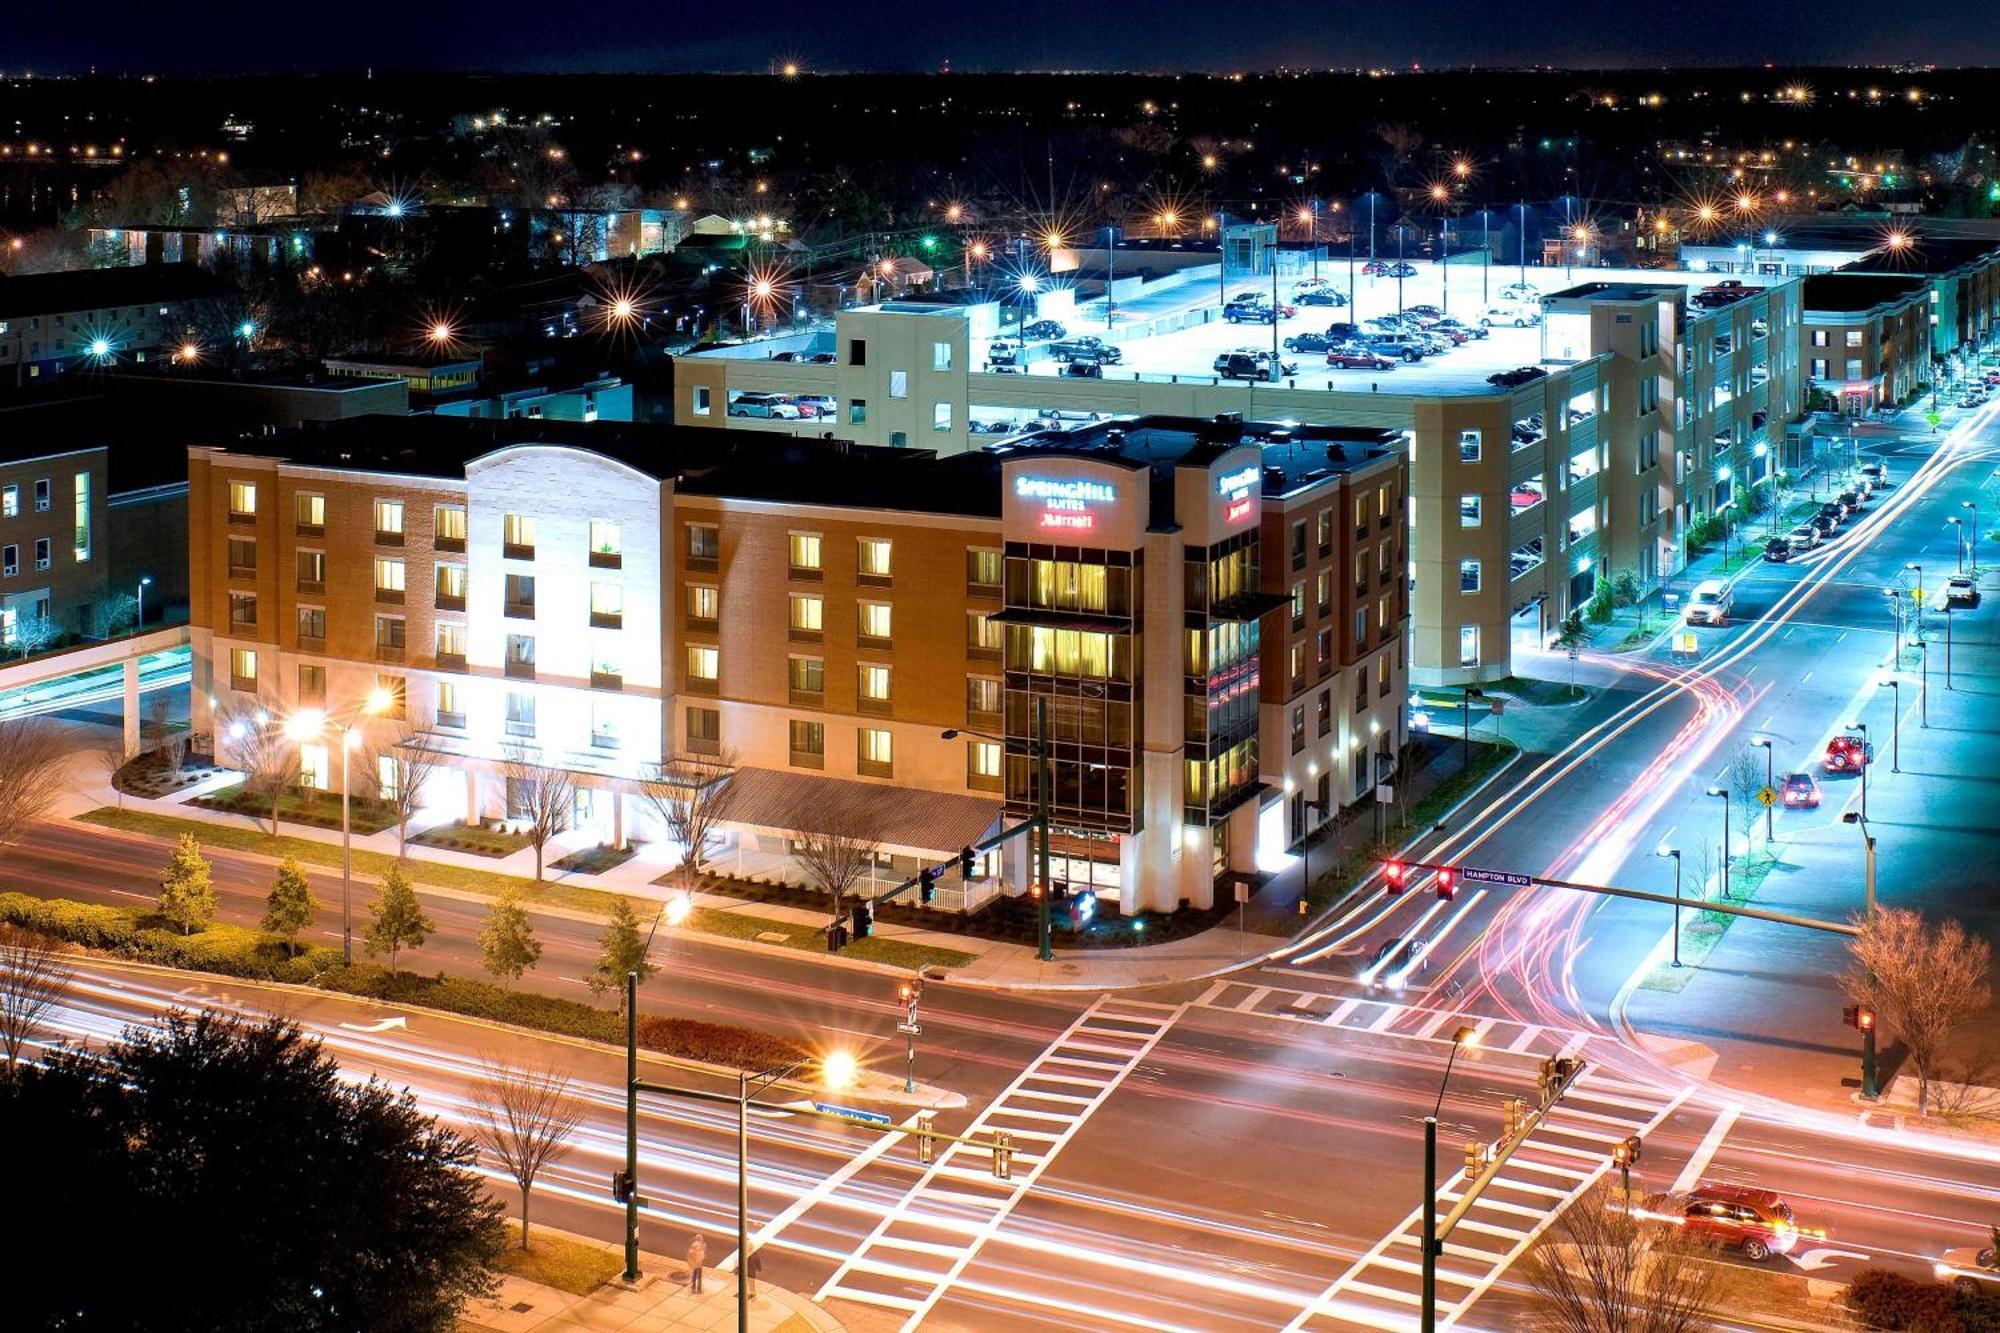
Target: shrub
pixel 1624 590
pixel 1882 1299
pixel 715 1042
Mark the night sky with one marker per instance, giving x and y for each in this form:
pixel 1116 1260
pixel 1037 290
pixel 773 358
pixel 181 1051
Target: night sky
pixel 142 36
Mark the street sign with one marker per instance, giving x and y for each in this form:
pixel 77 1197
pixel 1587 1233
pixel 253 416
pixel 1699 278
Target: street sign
pixel 1687 642
pixel 1507 877
pixel 854 1113
pixel 1497 706
pixel 1385 793
pixel 910 1029
pixel 1767 797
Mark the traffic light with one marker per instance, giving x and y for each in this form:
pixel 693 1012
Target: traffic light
pixel 1396 875
pixel 966 856
pixel 1511 1112
pixel 906 992
pixel 927 879
pixel 1626 1151
pixel 1447 883
pixel 622 1187
pixel 1858 1016
pixel 926 1127
pixel 1475 1158
pixel 1003 1155
pixel 864 920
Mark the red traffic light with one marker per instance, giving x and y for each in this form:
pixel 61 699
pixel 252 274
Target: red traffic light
pixel 1447 883
pixel 1865 1019
pixel 1396 875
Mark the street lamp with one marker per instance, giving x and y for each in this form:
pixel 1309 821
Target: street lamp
pixel 1465 719
pixel 1465 1036
pixel 673 911
pixel 1045 778
pixel 1968 504
pixel 139 622
pixel 1770 779
pixel 1869 1088
pixel 1916 602
pixel 1958 531
pixel 1723 792
pixel 308 724
pixel 1675 852
pixel 1867 762
pixel 837 1070
pixel 1896 726
pixel 1947 645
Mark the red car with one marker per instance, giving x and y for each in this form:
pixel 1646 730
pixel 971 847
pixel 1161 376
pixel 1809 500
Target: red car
pixel 1757 1222
pixel 1357 358
pixel 1848 754
pixel 1801 791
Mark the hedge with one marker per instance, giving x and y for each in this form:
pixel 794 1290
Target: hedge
pixel 236 951
pixel 1883 1299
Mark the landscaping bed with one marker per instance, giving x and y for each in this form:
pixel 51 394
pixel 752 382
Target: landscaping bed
pixel 149 775
pixel 476 839
pixel 557 1261
pixel 316 809
pixel 594 860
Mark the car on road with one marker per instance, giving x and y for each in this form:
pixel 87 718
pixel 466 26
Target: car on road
pixel 1960 590
pixel 1758 1222
pixel 1825 524
pixel 1970 1268
pixel 1802 538
pixel 770 406
pixel 1249 312
pixel 1800 791
pixel 1848 754
pixel 1971 399
pixel 1095 348
pixel 1383 953
pixel 1853 499
pixel 1778 550
pixel 1518 315
pixel 1308 342
pixel 1045 328
pixel 1709 603
pixel 1253 366
pixel 1877 473
pixel 1357 358
pixel 1413 955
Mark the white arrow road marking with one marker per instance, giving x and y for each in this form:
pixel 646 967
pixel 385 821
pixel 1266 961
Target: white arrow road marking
pixel 1814 1260
pixel 383 1026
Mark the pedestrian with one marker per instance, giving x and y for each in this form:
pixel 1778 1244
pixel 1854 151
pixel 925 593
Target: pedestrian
pixel 754 1266
pixel 697 1256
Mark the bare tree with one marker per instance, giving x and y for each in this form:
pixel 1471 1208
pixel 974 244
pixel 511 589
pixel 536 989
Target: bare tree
pixel 1744 778
pixel 544 794
pixel 1605 1269
pixel 1923 981
pixel 525 1117
pixel 402 766
pixel 267 758
pixel 836 844
pixel 110 752
pixel 31 754
pixel 690 793
pixel 34 974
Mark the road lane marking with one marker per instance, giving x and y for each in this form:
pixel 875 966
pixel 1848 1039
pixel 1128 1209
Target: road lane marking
pixel 1705 1151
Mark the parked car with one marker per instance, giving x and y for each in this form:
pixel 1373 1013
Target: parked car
pixel 1709 603
pixel 769 406
pixel 1970 1268
pixel 1453 325
pixel 821 359
pixel 821 404
pixel 1757 1222
pixel 1832 509
pixel 1321 296
pixel 1342 332
pixel 1802 538
pixel 1399 349
pixel 1825 524
pixel 1800 791
pixel 1778 550
pixel 1086 345
pixel 1308 342
pixel 1249 312
pixel 1253 366
pixel 1848 754
pixel 1426 312
pixel 785 356
pixel 1357 358
pixel 1000 352
pixel 1853 500
pixel 1400 269
pixel 1517 315
pixel 1960 590
pixel 1045 328
pixel 1878 473
pixel 1083 368
pixel 1521 291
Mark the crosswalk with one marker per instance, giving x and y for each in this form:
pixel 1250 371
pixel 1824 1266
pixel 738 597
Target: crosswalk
pixel 1387 1017
pixel 1564 1156
pixel 924 1242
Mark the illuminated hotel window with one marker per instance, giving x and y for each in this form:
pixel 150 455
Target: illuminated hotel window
pixel 874 752
pixel 808 614
pixel 805 553
pixel 872 684
pixel 875 620
pixel 873 558
pixel 703 663
pixel 242 499
pixel 388 520
pixel 448 527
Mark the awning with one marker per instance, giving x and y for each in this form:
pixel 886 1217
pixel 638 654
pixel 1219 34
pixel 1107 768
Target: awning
pixel 898 818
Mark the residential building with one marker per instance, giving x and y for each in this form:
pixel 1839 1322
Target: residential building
pixel 51 321
pixel 1866 337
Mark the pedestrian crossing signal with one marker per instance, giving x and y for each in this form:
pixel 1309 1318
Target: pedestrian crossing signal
pixel 622 1187
pixel 927 879
pixel 1396 875
pixel 1858 1016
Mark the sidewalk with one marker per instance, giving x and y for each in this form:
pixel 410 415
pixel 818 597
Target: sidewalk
pixel 659 1302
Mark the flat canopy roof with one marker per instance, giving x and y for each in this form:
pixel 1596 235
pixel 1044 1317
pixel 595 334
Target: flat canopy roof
pixel 1850 293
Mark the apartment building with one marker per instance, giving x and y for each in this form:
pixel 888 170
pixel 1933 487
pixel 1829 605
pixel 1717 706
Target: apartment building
pixel 54 557
pixel 605 597
pixel 1866 337
pixel 1535 452
pixel 49 321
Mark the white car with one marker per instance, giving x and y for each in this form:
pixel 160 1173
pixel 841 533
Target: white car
pixel 772 406
pixel 1802 538
pixel 1969 1269
pixel 1514 313
pixel 1960 590
pixel 1521 291
pixel 1710 603
pixel 815 404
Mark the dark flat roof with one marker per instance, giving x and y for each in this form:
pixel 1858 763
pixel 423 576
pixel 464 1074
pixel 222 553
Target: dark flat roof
pixel 1853 292
pixel 1294 454
pixel 102 288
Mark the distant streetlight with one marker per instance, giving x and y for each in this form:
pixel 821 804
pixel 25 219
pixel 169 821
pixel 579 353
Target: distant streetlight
pixel 1675 852
pixel 139 621
pixel 1770 782
pixel 1723 792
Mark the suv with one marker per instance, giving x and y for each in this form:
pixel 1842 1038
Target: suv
pixel 1756 1221
pixel 1710 603
pixel 1960 590
pixel 1000 352
pixel 771 406
pixel 1253 366
pixel 1087 347
pixel 1399 349
pixel 1848 754
pixel 1249 312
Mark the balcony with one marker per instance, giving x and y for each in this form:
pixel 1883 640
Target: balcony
pixel 875 580
pixel 309 529
pixel 607 560
pixel 386 538
pixel 799 573
pixel 245 520
pixel 877 645
pixel 449 545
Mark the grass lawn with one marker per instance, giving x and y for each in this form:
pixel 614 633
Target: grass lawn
pixel 1705 929
pixel 470 838
pixel 487 883
pixel 317 808
pixel 594 860
pixel 1531 691
pixel 559 1262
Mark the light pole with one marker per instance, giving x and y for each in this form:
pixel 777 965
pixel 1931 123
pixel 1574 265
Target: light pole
pixel 1947 646
pixel 1958 530
pixel 1770 782
pixel 1867 762
pixel 306 725
pixel 1896 726
pixel 836 1071
pixel 1968 504
pixel 1465 719
pixel 1723 792
pixel 1465 1036
pixel 1110 276
pixel 910 992
pixel 1895 596
pixel 1675 852
pixel 674 910
pixel 1869 1088
pixel 1038 751
pixel 1305 855
pixel 1916 603
pixel 1923 686
pixel 139 624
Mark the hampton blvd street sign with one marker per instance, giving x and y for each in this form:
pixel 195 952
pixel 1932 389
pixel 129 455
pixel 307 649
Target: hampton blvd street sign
pixel 1481 876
